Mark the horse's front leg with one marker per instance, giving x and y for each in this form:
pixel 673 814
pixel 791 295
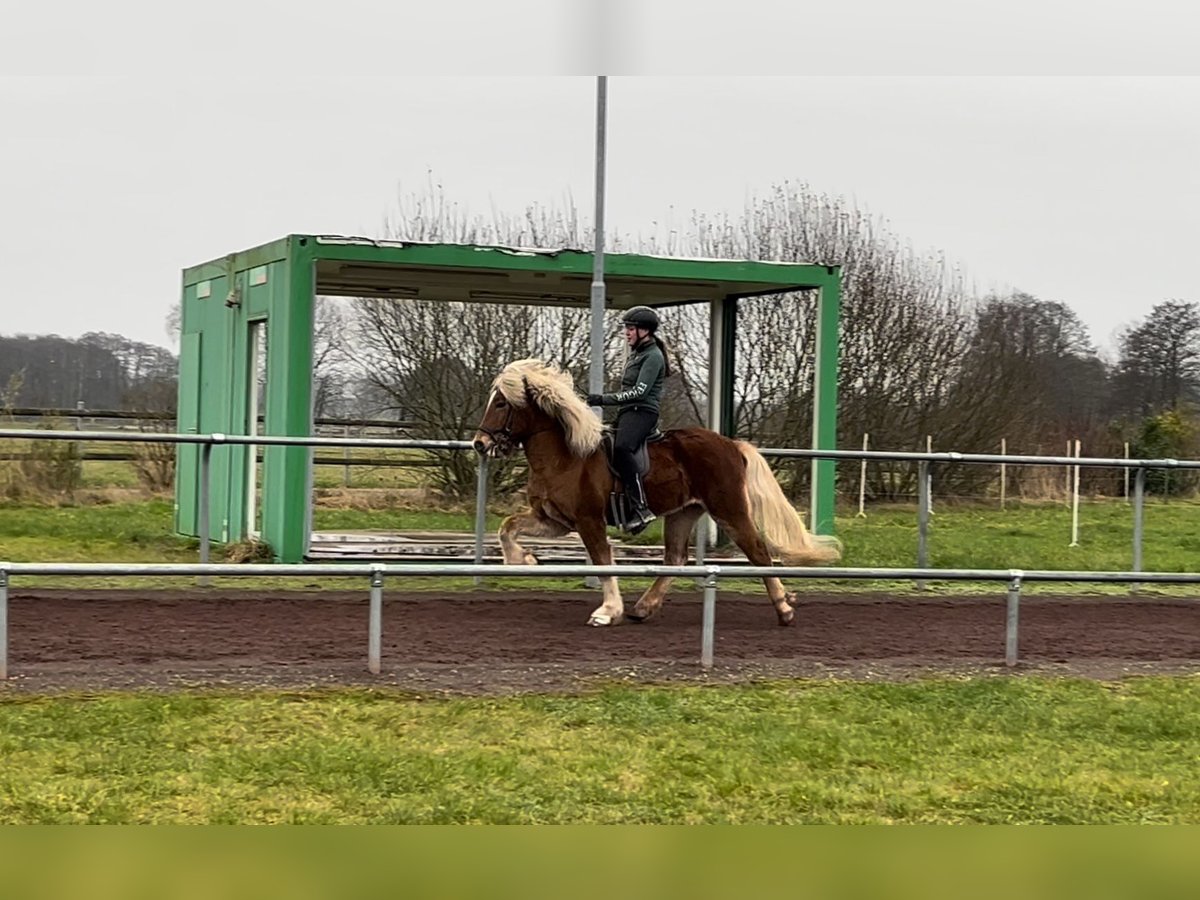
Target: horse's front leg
pixel 612 610
pixel 525 523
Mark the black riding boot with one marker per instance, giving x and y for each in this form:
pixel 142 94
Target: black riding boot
pixel 639 514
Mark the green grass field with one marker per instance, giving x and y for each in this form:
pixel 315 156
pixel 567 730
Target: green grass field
pixel 984 750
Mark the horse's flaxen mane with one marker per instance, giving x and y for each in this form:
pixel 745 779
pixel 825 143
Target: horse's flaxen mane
pixel 554 393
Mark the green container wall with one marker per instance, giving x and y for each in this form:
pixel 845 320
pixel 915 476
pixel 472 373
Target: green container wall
pixel 215 375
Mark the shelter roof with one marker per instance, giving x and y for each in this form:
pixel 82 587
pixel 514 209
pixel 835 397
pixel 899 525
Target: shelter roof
pixel 366 267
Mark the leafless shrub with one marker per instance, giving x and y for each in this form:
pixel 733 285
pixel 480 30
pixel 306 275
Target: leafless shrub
pixel 48 471
pixel 154 461
pixel 249 551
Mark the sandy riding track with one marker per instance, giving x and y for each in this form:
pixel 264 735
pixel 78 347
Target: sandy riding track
pixel 503 642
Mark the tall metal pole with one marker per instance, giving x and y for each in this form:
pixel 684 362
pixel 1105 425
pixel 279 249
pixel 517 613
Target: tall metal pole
pixel 596 374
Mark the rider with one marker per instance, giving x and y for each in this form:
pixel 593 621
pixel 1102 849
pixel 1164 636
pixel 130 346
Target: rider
pixel 637 416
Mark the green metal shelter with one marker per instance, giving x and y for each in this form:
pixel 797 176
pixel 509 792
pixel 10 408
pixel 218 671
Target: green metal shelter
pixel 250 314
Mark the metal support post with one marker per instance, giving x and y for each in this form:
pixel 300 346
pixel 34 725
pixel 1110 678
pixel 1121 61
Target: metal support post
pixel 375 622
pixel 708 627
pixel 481 479
pixel 598 293
pixel 701 543
pixel 1139 510
pixel 205 504
pixel 1010 621
pixel 3 623
pixel 922 519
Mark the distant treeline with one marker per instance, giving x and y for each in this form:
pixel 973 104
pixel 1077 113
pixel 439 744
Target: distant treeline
pixel 101 371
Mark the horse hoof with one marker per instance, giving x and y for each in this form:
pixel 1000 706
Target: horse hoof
pixel 786 618
pixel 531 560
pixel 601 620
pixel 637 615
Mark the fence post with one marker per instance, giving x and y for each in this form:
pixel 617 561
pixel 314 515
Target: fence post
pixel 929 475
pixel 1068 486
pixel 701 542
pixel 481 477
pixel 1003 472
pixel 346 458
pixel 922 518
pixel 1126 470
pixel 1139 498
pixel 1011 617
pixel 205 523
pixel 862 480
pixel 375 621
pixel 708 626
pixel 1075 501
pixel 3 622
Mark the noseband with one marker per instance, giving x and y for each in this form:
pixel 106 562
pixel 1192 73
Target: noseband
pixel 503 436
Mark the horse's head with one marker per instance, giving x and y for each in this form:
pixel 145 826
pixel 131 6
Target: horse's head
pixel 504 425
pixel 531 396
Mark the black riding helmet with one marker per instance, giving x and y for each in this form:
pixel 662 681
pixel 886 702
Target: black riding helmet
pixel 642 317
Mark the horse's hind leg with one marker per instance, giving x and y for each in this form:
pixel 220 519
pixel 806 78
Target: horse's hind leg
pixel 745 534
pixel 525 523
pixel 677 531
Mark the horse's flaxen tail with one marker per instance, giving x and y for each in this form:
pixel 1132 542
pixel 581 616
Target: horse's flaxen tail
pixel 777 520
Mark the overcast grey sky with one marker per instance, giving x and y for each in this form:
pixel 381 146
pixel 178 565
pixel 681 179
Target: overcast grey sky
pixel 123 160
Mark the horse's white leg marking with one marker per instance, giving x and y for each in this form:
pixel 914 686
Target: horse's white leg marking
pixel 612 610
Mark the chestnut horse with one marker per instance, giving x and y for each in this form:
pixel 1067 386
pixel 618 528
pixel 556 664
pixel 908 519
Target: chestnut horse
pixel 692 470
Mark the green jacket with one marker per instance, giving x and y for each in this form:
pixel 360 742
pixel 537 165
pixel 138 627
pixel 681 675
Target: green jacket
pixel 642 380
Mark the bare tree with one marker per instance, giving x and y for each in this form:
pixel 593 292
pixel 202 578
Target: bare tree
pixel 173 323
pixel 1159 364
pixel 1032 368
pixel 332 370
pixel 903 324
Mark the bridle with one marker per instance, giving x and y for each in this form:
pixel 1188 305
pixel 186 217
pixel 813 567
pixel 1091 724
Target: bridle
pixel 502 437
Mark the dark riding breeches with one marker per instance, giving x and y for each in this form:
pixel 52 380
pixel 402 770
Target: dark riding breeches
pixel 633 427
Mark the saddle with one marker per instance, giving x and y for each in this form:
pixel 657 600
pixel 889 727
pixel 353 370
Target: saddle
pixel 618 511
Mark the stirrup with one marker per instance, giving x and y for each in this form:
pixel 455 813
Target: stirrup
pixel 638 520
